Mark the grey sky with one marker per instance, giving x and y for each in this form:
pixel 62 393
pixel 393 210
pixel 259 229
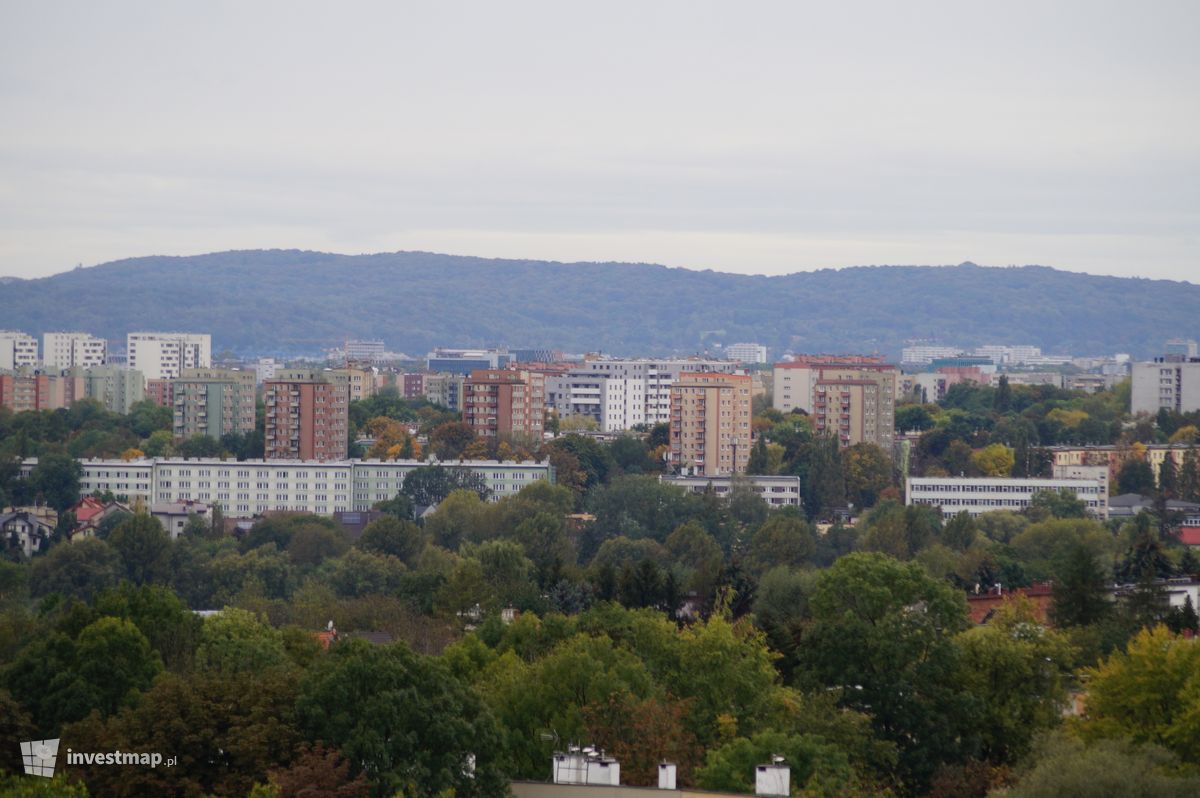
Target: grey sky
pixel 748 137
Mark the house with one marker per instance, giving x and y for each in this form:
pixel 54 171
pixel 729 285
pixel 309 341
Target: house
pixel 90 512
pixel 25 529
pixel 174 515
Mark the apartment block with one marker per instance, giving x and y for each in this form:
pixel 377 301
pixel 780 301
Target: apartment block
pixel 28 389
pixel 115 387
pixel 306 417
pixel 445 389
pixel 777 491
pixel 747 353
pixel 164 355
pixel 161 392
pixel 464 361
pixel 64 350
pixel 252 487
pixel 214 402
pixel 505 403
pixel 357 351
pixel 710 431
pixel 850 396
pixel 1166 384
pixel 17 350
pixel 978 495
pixel 411 385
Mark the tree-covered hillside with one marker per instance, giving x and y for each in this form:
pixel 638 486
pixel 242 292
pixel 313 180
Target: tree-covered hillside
pixel 289 302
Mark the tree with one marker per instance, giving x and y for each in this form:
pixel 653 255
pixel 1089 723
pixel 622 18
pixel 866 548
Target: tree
pixel 817 767
pixel 783 540
pixel 640 733
pixel 235 641
pixel 55 480
pixel 1079 597
pixel 390 535
pixel 1189 476
pixel 429 485
pixel 1135 476
pixel 994 460
pixel 115 659
pixel 1168 477
pixel 199 446
pixel 1002 401
pixel 1065 766
pixel 403 720
pixel 81 570
pixel 1149 693
pixel 450 440
pixel 144 548
pixel 1061 503
pixel 400 506
pixel 913 418
pixel 868 472
pixel 881 633
pixel 319 771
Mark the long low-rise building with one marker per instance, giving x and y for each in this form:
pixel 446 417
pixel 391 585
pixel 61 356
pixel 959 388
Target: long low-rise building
pixel 979 495
pixel 250 487
pixel 781 491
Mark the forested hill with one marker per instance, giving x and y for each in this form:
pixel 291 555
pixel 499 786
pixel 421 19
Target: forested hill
pixel 284 302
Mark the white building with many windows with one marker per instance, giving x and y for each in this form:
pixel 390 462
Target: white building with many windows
pixel 777 491
pixel 1164 384
pixel 17 349
pixel 979 495
pixel 64 350
pixel 620 394
pixel 251 487
pixel 163 355
pixel 747 353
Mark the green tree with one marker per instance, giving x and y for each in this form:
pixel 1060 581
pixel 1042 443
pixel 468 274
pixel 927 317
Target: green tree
pixel 868 472
pixel 785 539
pixel 450 440
pixel 144 549
pixel 80 570
pixel 403 720
pixel 235 641
pixel 817 767
pixel 913 418
pixel 390 535
pixel 881 633
pixel 115 659
pixel 1061 503
pixel 55 480
pixel 1080 597
pixel 429 485
pixel 1135 476
pixel 1065 766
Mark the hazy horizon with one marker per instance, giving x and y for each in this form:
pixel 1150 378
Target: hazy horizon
pixel 768 138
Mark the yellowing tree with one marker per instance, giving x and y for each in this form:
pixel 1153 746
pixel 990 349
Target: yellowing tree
pixel 137 454
pixel 994 460
pixel 1187 434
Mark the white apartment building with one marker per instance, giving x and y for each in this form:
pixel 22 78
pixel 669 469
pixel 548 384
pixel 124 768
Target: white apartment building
pixel 64 350
pixel 1173 385
pixel 1003 355
pixel 620 394
pixel 781 491
pixel 163 355
pixel 924 355
pixel 252 487
pixel 17 349
pixel 979 495
pixel 747 353
pixel 265 369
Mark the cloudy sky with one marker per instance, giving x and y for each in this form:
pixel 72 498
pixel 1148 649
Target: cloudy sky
pixel 750 137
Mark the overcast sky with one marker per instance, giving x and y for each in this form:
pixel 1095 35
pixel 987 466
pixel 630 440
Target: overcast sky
pixel 739 136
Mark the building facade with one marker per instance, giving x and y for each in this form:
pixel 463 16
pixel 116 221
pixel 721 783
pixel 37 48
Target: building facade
pixel 464 361
pixel 252 487
pixel 979 495
pixel 710 431
pixel 164 355
pixel 214 402
pixel 115 387
pixel 1172 385
pixel 747 353
pixel 781 491
pixel 505 403
pixel 64 350
pixel 17 350
pixel 307 417
pixel 851 397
